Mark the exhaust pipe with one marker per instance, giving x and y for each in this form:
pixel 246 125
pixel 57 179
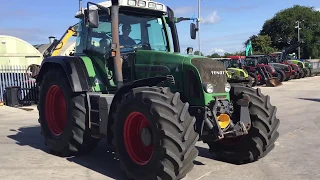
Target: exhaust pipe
pixel 115 42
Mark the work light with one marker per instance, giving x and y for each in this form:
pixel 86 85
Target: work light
pixel 142 4
pixel 152 5
pixel 132 3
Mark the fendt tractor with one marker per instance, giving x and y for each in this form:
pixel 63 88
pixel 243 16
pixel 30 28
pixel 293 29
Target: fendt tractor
pixel 145 98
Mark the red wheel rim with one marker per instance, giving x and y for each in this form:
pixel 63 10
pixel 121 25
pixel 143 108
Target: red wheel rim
pixel 138 152
pixel 56 114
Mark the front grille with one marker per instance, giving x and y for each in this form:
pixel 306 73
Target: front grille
pixel 213 72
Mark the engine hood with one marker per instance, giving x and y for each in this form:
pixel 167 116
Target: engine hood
pixel 211 71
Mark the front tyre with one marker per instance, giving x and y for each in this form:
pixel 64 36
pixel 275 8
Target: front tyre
pixel 63 116
pixel 308 72
pixel 154 135
pixel 261 136
pixel 255 79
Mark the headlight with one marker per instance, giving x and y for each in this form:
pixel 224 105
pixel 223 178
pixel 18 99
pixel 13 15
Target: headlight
pixel 208 88
pixel 227 87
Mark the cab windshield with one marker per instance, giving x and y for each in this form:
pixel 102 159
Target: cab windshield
pixel 135 32
pixel 251 62
pixel 235 63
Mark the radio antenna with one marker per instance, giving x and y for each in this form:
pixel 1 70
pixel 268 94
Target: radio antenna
pixel 80 5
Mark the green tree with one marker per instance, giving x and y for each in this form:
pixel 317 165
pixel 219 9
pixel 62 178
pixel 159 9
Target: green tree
pixel 214 55
pixel 261 44
pixel 281 29
pixel 197 53
pixel 237 53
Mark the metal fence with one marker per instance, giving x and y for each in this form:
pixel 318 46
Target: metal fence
pixel 17 76
pixel 315 65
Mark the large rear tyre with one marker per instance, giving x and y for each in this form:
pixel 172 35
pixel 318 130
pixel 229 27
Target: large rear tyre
pixel 63 116
pixel 154 135
pixel 262 135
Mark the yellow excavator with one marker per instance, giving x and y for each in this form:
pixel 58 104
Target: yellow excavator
pixel 56 46
pixel 53 50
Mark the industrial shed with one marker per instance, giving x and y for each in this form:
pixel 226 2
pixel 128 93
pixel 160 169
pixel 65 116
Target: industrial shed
pixel 65 50
pixel 15 51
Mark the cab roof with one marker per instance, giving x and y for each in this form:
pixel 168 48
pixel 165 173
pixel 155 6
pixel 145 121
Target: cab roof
pixel 141 4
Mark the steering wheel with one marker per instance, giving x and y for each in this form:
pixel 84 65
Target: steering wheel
pixel 140 41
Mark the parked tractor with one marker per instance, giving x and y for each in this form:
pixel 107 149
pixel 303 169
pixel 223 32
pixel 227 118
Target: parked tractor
pixel 285 57
pixel 236 73
pixel 284 72
pixel 268 74
pixel 149 101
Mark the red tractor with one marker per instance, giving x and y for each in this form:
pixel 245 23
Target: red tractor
pixel 264 74
pixel 251 72
pixel 268 74
pixel 276 58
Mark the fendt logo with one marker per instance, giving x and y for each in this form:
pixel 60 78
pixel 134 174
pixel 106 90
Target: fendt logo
pixel 218 72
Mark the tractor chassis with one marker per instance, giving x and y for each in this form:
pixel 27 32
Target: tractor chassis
pixel 208 124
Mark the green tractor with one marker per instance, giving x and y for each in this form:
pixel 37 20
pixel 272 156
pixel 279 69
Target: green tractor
pixel 146 99
pixel 235 71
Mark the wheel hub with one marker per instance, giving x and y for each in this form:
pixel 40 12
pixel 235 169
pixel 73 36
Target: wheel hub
pixel 55 110
pixel 138 138
pixel 146 137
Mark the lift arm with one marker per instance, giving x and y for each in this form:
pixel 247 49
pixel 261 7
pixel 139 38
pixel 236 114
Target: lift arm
pixel 55 48
pixel 289 49
pixel 249 48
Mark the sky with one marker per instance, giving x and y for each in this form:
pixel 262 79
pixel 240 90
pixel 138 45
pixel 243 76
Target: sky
pixel 226 24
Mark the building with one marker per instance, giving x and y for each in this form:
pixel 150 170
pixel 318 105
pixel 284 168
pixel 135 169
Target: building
pixel 15 51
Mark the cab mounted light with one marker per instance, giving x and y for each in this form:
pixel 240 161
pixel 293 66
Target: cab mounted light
pixel 132 2
pixel 142 3
pixel 152 5
pixel 159 6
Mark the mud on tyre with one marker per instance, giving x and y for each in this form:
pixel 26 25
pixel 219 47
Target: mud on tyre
pixel 63 116
pixel 262 134
pixel 154 121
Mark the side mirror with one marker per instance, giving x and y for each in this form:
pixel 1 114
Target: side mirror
pixel 193 31
pixel 189 50
pixel 93 18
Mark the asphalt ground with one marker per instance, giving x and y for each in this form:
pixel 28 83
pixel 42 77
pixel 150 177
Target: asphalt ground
pixel 23 155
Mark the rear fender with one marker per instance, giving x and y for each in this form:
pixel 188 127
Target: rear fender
pixel 74 69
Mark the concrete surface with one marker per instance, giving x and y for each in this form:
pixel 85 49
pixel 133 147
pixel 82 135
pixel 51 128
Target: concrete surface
pixel 295 157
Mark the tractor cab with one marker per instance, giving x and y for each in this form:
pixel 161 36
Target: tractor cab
pixel 237 61
pixel 146 31
pixel 250 61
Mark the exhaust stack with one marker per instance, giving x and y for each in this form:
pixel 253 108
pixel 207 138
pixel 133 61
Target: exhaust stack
pixel 115 42
pixel 51 39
